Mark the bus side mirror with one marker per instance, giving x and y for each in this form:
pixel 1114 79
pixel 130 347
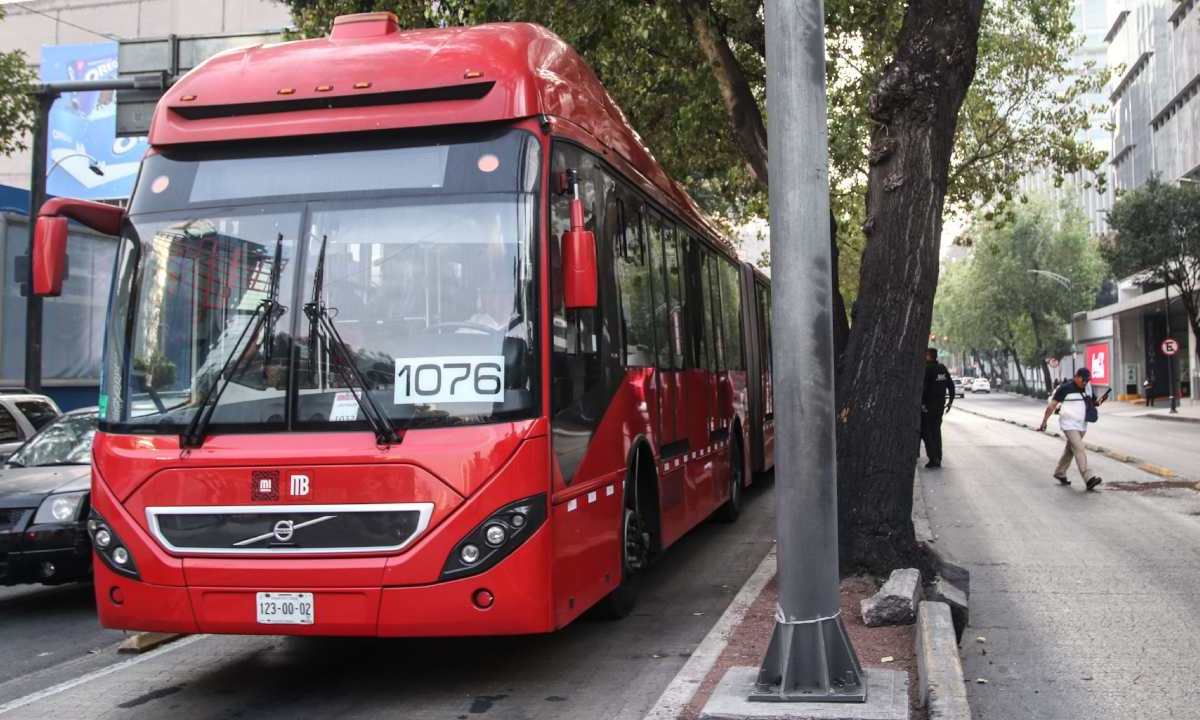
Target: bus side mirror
pixel 49 256
pixel 579 262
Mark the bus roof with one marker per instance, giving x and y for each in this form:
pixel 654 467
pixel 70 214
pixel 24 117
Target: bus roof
pixel 369 75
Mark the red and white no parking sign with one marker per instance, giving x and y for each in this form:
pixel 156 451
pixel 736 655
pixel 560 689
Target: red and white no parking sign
pixel 1169 347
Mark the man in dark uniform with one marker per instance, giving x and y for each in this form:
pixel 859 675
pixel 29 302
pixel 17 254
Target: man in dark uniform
pixel 936 399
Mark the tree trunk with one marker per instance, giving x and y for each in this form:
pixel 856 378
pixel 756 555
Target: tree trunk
pixel 841 321
pixel 915 110
pixel 745 116
pixel 1012 353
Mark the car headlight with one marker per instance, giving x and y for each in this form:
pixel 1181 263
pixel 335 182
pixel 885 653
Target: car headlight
pixel 60 508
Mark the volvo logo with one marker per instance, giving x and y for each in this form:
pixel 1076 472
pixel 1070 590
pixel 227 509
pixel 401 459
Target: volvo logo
pixel 284 529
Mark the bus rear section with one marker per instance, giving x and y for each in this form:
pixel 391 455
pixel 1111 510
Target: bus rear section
pixel 445 358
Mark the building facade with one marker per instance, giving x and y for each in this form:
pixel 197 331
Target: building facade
pixel 1155 116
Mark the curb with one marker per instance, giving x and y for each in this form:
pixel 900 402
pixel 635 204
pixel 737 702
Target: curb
pixel 683 686
pixel 1121 457
pixel 940 685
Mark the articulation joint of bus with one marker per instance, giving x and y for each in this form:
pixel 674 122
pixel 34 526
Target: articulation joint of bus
pixel 408 335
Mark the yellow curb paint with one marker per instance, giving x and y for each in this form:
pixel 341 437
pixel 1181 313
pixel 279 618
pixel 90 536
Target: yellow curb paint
pixel 1157 470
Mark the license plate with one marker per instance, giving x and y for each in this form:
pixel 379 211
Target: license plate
pixel 284 608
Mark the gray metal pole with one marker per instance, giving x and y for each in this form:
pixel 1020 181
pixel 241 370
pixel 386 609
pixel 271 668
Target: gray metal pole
pixel 810 657
pixel 37 195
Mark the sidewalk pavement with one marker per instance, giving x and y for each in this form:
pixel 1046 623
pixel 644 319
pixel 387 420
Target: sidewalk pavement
pixel 1187 410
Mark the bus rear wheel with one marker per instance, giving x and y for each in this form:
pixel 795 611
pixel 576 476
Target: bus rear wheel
pixel 634 554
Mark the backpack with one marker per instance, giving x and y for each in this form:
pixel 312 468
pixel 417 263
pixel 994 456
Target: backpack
pixel 1092 414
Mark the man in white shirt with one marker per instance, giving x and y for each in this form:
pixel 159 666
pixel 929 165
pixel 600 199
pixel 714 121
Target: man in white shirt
pixel 1072 399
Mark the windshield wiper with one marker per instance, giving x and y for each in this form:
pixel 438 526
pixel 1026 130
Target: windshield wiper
pixel 319 320
pixel 265 312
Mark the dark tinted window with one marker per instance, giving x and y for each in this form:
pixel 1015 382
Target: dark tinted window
pixel 731 307
pixel 38 413
pixel 711 287
pixel 671 242
pixel 662 303
pixel 633 282
pixel 9 432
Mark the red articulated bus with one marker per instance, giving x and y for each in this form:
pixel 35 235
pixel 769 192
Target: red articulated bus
pixel 409 335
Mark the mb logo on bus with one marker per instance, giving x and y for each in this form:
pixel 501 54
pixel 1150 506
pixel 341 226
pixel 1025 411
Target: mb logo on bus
pixel 300 484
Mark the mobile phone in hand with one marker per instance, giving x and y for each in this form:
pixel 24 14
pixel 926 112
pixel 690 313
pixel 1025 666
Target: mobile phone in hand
pixel 1106 394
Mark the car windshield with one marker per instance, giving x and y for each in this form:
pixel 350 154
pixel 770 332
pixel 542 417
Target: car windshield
pixel 65 441
pixel 412 264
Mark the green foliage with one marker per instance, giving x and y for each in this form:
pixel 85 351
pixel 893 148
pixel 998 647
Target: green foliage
pixel 1023 112
pixel 16 105
pixel 992 301
pixel 1157 232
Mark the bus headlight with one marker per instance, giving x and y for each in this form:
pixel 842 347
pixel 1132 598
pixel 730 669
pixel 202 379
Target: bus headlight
pixel 495 538
pixel 110 547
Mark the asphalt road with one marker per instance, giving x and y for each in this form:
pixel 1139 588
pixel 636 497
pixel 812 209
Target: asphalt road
pixel 591 669
pixel 1175 445
pixel 1088 602
pixel 47 633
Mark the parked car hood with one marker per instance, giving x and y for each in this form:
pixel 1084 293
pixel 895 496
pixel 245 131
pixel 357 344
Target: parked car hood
pixel 25 487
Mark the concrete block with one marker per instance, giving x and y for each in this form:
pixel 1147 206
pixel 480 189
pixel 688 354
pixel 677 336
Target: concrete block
pixel 940 685
pixel 145 641
pixel 896 601
pixel 887 699
pixel 950 593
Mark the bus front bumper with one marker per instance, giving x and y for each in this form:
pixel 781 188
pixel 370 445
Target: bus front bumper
pixel 515 593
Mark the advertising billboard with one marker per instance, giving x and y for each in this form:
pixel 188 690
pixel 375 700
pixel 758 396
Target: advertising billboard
pixel 85 158
pixel 1099 361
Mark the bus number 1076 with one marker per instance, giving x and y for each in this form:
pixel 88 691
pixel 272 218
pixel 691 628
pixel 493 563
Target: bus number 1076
pixel 449 379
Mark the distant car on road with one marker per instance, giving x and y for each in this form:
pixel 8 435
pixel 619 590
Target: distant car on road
pixel 981 385
pixel 960 384
pixel 22 414
pixel 45 488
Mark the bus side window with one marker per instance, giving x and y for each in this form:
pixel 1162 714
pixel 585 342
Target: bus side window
pixel 659 290
pixel 732 311
pixel 712 292
pixel 633 283
pixel 671 240
pixel 696 309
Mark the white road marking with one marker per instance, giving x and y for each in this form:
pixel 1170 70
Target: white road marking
pixel 102 672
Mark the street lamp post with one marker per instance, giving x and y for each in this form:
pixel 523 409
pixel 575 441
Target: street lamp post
pixel 45 94
pixel 810 657
pixel 93 164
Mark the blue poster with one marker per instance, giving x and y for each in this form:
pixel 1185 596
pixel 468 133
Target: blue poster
pixel 85 158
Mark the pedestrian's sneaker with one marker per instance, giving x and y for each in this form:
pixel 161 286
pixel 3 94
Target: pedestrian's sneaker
pixel 1062 479
pixel 1092 483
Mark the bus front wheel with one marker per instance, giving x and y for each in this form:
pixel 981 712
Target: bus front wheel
pixel 620 602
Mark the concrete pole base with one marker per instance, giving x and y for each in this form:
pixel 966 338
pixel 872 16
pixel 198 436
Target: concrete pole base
pixel 810 661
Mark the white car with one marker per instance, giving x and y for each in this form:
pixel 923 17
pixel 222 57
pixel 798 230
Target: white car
pixel 960 386
pixel 22 414
pixel 981 385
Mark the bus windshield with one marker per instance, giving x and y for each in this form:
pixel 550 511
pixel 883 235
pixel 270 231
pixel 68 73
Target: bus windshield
pixel 263 277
